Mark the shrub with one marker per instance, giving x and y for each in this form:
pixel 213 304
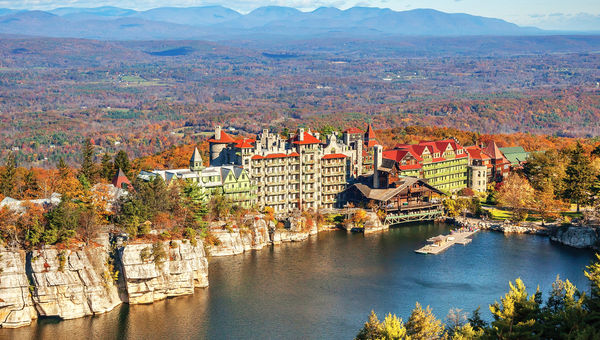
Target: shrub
pixel 190 234
pixel 165 235
pixel 62 260
pixel 211 239
pixel 144 228
pixel 158 253
pixel 145 254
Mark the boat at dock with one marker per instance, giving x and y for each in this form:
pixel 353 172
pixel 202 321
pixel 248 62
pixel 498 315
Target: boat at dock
pixel 440 243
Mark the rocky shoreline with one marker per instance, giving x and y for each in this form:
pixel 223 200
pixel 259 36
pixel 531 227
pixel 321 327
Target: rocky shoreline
pixel 90 280
pixel 577 236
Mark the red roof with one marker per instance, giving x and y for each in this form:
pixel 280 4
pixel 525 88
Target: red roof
pixel 371 143
pixel 121 181
pixel 370 139
pixel 476 152
pixel 294 154
pixel 396 155
pixel 244 143
pixel 334 155
pixel 308 139
pixel 224 139
pixel 492 150
pixel 353 130
pixel 370 132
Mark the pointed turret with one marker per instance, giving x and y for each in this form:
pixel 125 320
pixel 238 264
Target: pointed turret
pixel 121 181
pixel 370 139
pixel 196 161
pixel 493 150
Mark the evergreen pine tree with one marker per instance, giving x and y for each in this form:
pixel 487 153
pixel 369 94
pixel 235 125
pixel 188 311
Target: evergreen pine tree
pixel 476 321
pixel 393 328
pixel 564 311
pixel 31 187
pixel 122 161
pixel 63 169
pixel 371 329
pixel 516 315
pixel 107 168
pixel 422 324
pixel 579 177
pixel 593 301
pixel 8 176
pixel 88 167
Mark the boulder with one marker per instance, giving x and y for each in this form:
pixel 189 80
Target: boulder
pixel 578 237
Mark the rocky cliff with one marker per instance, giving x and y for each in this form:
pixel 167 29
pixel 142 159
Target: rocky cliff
pixel 16 306
pixel 67 285
pixel 578 237
pixel 253 235
pixel 155 271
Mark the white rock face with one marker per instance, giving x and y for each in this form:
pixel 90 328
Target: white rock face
pixel 254 236
pixel 285 235
pixel 146 279
pixel 578 237
pixel 67 285
pixel 230 243
pixel 16 306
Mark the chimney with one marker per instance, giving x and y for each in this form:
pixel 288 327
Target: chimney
pixel 377 159
pixel 218 132
pixel 301 134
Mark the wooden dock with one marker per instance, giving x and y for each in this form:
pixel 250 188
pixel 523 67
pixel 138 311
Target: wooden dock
pixel 440 243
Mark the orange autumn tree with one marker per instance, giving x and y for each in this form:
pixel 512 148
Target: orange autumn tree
pixel 516 194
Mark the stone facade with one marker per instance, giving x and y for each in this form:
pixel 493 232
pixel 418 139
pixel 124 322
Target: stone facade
pixel 301 172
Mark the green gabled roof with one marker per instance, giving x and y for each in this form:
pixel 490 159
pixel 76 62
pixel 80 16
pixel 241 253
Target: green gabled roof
pixel 515 154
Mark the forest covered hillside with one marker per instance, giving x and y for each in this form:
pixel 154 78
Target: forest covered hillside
pixel 146 96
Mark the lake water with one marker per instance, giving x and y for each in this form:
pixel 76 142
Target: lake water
pixel 325 287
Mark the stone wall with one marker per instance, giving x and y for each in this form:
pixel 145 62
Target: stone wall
pixel 149 274
pixel 67 285
pixel 16 306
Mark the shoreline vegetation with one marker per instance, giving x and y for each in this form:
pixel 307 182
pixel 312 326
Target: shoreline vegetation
pixel 568 313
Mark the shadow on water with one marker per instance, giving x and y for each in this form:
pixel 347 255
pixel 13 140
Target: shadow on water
pixel 325 287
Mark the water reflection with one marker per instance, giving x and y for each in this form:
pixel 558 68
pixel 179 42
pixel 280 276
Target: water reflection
pixel 325 287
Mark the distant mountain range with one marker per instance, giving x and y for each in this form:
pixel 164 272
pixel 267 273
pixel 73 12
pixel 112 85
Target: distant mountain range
pixel 272 22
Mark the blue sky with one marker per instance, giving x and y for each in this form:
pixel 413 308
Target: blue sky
pixel 550 14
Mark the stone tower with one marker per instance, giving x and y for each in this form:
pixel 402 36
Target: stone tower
pixel 218 147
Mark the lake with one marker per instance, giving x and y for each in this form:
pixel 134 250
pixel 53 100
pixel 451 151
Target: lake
pixel 324 288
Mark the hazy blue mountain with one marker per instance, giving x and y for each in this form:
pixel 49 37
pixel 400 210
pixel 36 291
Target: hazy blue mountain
pixel 6 11
pixel 271 22
pixel 106 11
pixel 194 16
pixel 264 15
